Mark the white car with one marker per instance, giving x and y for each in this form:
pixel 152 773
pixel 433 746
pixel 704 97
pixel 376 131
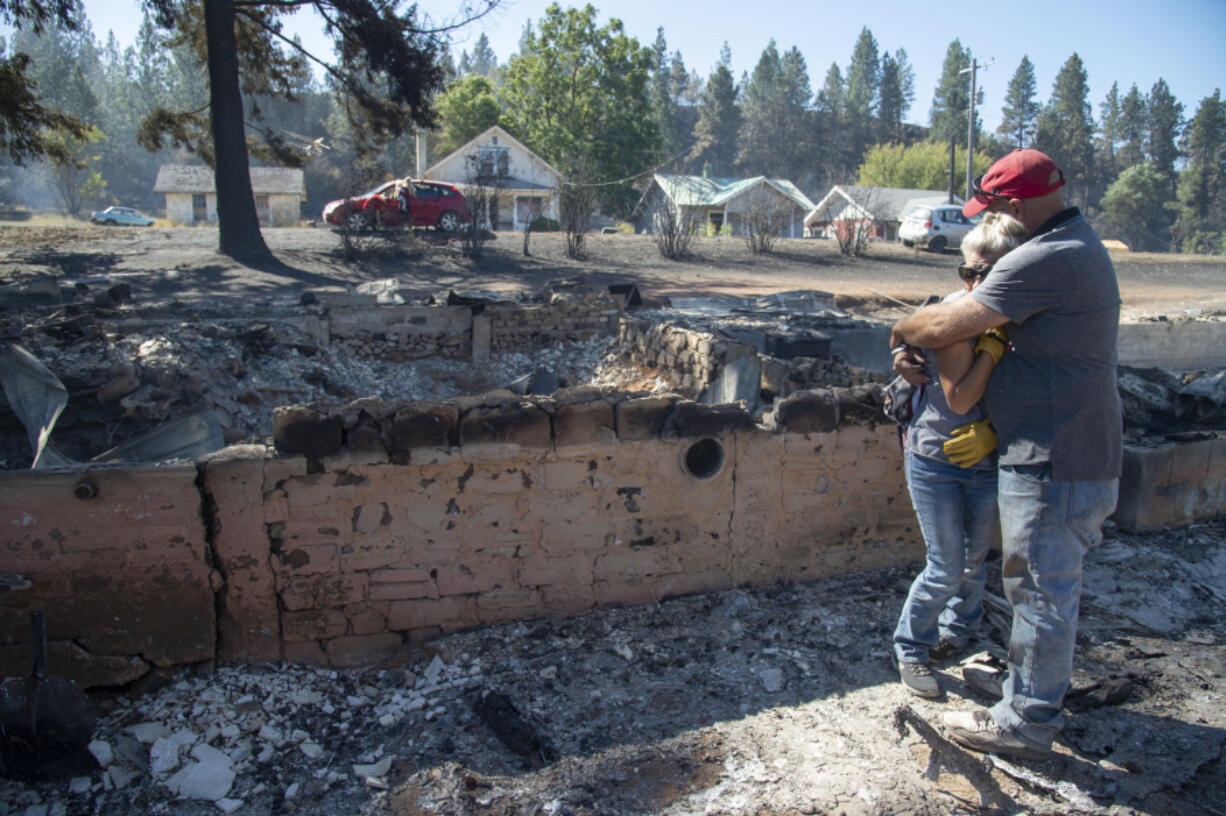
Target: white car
pixel 936 227
pixel 121 216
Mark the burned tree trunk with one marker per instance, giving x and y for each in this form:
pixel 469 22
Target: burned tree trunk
pixel 238 225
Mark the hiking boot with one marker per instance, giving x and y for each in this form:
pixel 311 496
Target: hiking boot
pixel 978 731
pixel 944 650
pixel 917 677
pixel 985 673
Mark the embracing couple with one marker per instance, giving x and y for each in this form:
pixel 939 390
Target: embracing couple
pixel 1016 426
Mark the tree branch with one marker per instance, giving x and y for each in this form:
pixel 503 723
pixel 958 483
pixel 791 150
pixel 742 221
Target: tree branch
pixel 287 40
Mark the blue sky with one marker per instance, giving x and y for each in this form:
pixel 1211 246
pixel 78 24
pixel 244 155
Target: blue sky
pixel 1118 40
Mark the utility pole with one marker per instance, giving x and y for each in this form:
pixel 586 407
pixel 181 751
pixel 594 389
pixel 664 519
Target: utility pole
pixel 970 124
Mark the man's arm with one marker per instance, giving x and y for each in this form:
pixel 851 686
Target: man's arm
pixel 939 325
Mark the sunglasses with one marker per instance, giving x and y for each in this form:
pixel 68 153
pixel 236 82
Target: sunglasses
pixel 973 273
pixel 977 189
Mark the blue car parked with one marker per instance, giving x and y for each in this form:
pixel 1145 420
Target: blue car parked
pixel 121 216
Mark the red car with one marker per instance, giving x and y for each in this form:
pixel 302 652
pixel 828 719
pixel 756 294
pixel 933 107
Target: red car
pixel 401 202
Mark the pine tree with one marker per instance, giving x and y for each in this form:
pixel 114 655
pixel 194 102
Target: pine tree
pixel 760 149
pixel 863 90
pixel 719 119
pixel 1017 117
pixel 1065 129
pixel 896 94
pixel 660 92
pixel 1165 125
pixel 834 154
pixel 484 60
pixel 1201 223
pixel 889 102
pixel 947 119
pixel 1109 114
pixel 796 118
pixel 1132 130
pixel 906 80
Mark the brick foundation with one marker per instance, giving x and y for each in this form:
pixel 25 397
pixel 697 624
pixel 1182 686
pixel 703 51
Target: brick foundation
pixel 430 518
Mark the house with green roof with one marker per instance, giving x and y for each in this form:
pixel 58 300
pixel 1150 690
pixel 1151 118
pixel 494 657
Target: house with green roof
pixel 720 204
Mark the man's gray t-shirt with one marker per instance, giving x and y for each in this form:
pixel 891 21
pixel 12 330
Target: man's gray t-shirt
pixel 1053 397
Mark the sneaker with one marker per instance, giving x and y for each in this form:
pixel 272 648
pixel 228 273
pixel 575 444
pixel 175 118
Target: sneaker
pixel 917 677
pixel 978 731
pixel 945 649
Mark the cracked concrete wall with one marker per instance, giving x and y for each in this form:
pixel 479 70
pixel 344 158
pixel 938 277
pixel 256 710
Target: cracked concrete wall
pixel 387 523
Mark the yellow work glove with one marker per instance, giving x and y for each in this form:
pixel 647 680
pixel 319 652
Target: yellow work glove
pixel 970 443
pixel 994 342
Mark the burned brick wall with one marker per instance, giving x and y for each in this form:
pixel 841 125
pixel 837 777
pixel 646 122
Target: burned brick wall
pixel 387 523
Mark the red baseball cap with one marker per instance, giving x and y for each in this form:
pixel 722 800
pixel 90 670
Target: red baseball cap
pixel 1024 173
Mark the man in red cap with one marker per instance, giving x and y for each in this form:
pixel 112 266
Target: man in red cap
pixel 1055 410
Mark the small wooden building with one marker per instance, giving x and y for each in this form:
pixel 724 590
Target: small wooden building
pixel 191 197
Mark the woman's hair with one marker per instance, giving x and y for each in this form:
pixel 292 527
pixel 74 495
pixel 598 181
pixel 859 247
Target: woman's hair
pixel 996 235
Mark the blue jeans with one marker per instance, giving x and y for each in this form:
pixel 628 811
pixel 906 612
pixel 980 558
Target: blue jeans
pixel 1046 528
pixel 956 508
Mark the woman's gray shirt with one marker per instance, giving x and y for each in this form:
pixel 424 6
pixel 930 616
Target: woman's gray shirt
pixel 935 421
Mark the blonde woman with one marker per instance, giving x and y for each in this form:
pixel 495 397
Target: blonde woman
pixel 951 475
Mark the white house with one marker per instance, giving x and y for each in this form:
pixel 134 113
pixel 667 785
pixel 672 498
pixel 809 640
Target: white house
pixel 879 210
pixel 191 197
pixel 520 184
pixel 721 204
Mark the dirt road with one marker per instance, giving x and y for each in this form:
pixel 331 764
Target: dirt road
pixel 166 264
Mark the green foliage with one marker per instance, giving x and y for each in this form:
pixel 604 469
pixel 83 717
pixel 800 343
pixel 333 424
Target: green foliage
pixel 543 223
pixel 1132 129
pixel 74 173
pixel 1017 117
pixel 863 85
pixel 1065 129
pixel 1200 225
pixel 578 95
pixel 1134 208
pixel 921 166
pixel 895 97
pixel 947 118
pixel 1165 122
pixel 719 119
pixel 776 133
pixel 467 108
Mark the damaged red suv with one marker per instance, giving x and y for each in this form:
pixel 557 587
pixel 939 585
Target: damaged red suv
pixel 401 202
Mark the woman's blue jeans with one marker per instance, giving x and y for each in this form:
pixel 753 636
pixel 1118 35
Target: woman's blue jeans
pixel 958 518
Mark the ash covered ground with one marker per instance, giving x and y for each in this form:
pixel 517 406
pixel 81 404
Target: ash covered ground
pixel 767 701
pixel 764 701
